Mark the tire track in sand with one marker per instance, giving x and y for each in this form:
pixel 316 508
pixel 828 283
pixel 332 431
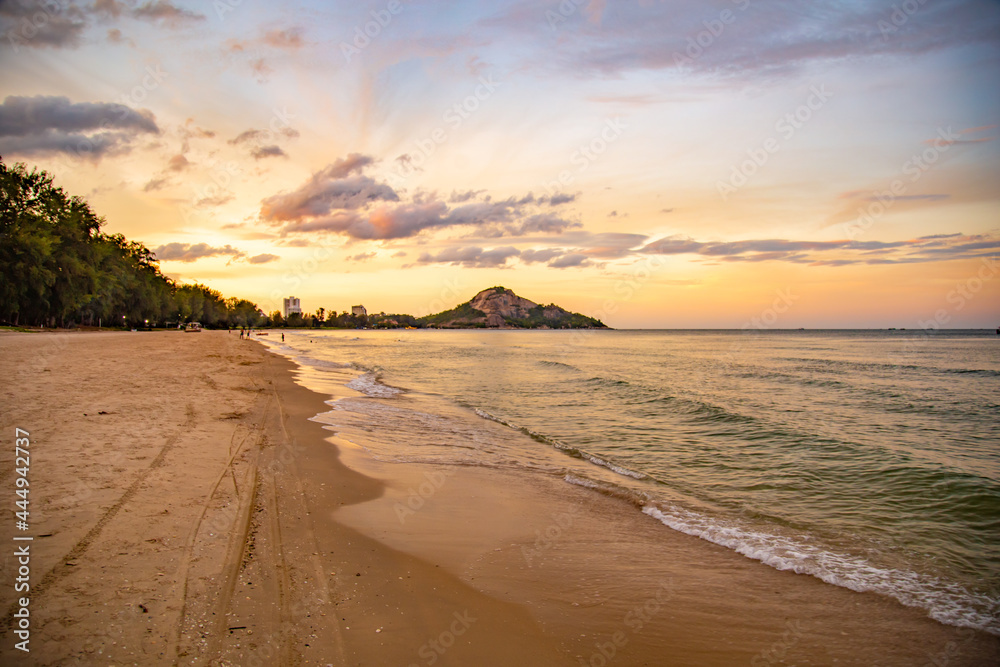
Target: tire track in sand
pixel 60 569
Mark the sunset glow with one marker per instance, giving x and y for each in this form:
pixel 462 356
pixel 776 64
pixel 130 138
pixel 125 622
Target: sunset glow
pixel 664 165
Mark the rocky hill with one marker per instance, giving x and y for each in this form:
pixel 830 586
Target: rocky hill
pixel 500 308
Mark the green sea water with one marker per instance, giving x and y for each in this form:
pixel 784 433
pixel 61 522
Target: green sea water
pixel 868 459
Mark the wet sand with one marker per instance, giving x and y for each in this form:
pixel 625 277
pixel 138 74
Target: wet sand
pixel 186 511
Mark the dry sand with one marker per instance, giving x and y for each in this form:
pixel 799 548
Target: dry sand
pixel 186 511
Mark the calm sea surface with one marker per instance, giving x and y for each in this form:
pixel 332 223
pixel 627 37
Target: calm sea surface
pixel 868 459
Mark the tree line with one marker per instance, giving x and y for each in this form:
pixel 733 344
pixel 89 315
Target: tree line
pixel 59 269
pixel 345 320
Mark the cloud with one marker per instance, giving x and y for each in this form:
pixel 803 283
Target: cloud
pixel 178 163
pixel 342 199
pixel 762 38
pixel 156 184
pixel 930 197
pixel 217 200
pixel 326 191
pixel 290 38
pixel 406 162
pixel 255 52
pixel 471 256
pixel 560 198
pixel 340 222
pixel 115 36
pixel 942 142
pixel 183 252
pixel 556 258
pixel 44 125
pixel 189 130
pixel 261 70
pixel 478 257
pixel 604 245
pixel 402 221
pixel 937 247
pixel 461 197
pixel 541 223
pixel 570 260
pixel 268 151
pixel 109 8
pixel 334 187
pixel 61 23
pixel 263 258
pixel 262 142
pixel 41 24
pixel 294 243
pixel 541 255
pixel 263 136
pixel 33 115
pixel 166 12
pixel 362 257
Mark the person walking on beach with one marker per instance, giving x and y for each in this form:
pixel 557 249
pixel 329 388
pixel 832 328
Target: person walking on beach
pixel 282 338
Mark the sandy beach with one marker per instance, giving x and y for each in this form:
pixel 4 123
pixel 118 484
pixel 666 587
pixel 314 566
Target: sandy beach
pixel 185 510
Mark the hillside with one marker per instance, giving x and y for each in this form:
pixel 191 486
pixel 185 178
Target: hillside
pixel 500 308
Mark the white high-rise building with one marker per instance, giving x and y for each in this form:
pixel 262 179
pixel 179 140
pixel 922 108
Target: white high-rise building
pixel 291 306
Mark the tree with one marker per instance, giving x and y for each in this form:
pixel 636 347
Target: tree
pixel 58 267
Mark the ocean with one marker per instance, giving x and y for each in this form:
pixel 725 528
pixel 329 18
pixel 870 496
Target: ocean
pixel 867 459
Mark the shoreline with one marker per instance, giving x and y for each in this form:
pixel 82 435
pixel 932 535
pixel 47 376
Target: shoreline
pixel 182 501
pixel 315 566
pixel 424 503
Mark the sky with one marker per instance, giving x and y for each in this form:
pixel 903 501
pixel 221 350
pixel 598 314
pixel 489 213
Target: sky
pixel 683 164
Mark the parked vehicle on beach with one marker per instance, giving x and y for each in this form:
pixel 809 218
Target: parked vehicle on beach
pixel 192 327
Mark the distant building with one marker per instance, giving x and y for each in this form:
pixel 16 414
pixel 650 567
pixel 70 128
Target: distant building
pixel 359 310
pixel 291 305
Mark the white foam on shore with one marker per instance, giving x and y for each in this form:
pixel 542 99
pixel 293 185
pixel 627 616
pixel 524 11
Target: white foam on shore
pixel 613 467
pixel 944 602
pixel 369 385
